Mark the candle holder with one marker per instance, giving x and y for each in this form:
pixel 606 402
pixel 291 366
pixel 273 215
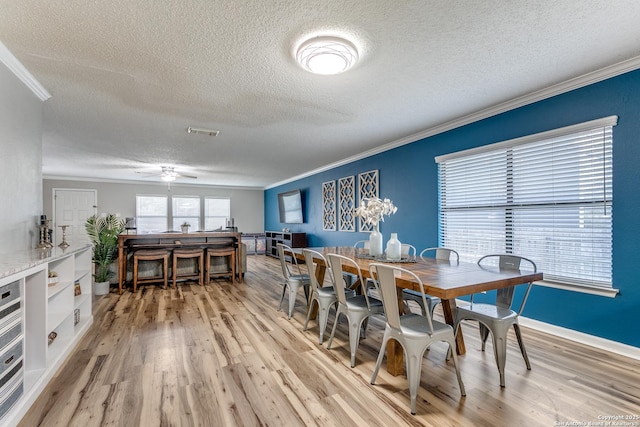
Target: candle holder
pixel 64 244
pixel 45 240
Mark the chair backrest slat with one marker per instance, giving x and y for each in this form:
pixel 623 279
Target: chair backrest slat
pixel 361 244
pixel 309 256
pixel 445 254
pixel 387 286
pixel 338 279
pixel 385 275
pixel 283 262
pixel 407 249
pixel 504 296
pixel 336 262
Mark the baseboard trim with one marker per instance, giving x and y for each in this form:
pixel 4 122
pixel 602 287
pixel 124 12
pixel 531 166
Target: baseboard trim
pixel 582 338
pixel 579 337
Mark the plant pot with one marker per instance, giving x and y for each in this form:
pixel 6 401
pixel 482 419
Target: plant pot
pixel 101 288
pixel 185 229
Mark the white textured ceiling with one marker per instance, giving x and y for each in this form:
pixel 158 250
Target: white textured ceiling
pixel 128 77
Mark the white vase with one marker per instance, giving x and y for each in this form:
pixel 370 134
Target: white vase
pixel 375 242
pixel 394 248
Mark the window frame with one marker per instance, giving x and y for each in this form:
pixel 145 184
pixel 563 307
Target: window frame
pixel 138 216
pixel 194 221
pixel 506 205
pixel 169 214
pixel 204 211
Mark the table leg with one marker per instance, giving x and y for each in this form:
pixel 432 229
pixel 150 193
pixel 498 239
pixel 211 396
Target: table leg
pixel 122 263
pixel 239 261
pixel 395 354
pixel 395 358
pixel 449 307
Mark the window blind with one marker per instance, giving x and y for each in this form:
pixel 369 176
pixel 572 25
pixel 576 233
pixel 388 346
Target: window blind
pixel 185 209
pixel 217 212
pixel 547 197
pixel 151 214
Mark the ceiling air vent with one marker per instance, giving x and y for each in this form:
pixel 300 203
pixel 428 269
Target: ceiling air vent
pixel 209 132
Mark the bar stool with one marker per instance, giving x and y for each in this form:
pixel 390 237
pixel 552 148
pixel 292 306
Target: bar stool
pixel 150 255
pixel 218 252
pixel 188 254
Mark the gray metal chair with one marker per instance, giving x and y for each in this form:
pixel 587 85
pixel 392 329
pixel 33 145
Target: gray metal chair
pixel 498 318
pixel 350 278
pixel 407 250
pixel 414 332
pixel 411 295
pixel 292 282
pixel 357 309
pixel 324 296
pixel 364 244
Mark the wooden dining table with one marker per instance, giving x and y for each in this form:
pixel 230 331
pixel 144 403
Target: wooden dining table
pixel 440 278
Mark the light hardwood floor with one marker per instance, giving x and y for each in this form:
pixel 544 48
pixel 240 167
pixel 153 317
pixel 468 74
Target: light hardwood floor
pixel 222 355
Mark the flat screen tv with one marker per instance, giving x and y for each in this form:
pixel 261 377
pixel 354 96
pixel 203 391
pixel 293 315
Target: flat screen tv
pixel 290 205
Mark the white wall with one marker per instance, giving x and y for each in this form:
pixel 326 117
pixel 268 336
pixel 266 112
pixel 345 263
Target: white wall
pixel 21 114
pixel 247 205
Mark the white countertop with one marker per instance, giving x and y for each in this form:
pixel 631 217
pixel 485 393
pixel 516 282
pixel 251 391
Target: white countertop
pixel 15 262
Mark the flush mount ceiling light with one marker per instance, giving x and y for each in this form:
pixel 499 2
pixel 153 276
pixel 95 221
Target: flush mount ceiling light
pixel 327 55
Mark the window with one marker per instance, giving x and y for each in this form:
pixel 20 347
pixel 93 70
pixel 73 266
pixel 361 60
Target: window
pixel 217 212
pixel 151 214
pixel 547 197
pixel 186 209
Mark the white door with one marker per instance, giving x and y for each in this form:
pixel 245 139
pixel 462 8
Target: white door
pixel 72 208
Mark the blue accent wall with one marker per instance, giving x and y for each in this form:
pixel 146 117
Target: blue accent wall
pixel 408 176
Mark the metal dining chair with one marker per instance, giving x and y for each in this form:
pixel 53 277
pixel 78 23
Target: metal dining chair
pixel 407 250
pixel 292 282
pixel 350 278
pixel 499 317
pixel 324 296
pixel 415 296
pixel 414 332
pixel 356 309
pixel 364 244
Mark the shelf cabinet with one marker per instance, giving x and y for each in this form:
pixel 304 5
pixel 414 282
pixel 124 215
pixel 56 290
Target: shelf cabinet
pixel 293 240
pixel 54 288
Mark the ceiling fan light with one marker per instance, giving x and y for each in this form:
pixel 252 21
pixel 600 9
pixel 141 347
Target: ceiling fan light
pixel 327 55
pixel 168 174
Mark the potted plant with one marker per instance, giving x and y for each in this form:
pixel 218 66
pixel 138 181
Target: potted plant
pixel 185 227
pixel 103 232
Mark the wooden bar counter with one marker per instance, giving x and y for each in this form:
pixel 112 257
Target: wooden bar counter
pixel 128 243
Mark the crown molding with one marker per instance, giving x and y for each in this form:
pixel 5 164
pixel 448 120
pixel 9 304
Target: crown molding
pixel 16 67
pixel 551 91
pixel 155 183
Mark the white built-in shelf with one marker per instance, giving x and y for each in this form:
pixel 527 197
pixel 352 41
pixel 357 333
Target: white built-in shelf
pixel 47 308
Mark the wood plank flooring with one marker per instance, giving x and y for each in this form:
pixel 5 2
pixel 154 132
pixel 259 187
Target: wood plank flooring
pixel 221 355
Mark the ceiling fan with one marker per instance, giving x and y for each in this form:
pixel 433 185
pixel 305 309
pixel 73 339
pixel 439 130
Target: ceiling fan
pixel 168 174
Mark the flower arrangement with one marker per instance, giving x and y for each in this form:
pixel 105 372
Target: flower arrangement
pixel 373 210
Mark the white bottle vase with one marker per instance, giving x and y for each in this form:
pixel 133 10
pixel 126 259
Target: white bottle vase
pixel 394 248
pixel 375 242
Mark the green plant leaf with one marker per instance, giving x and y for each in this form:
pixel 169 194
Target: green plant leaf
pixel 103 232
